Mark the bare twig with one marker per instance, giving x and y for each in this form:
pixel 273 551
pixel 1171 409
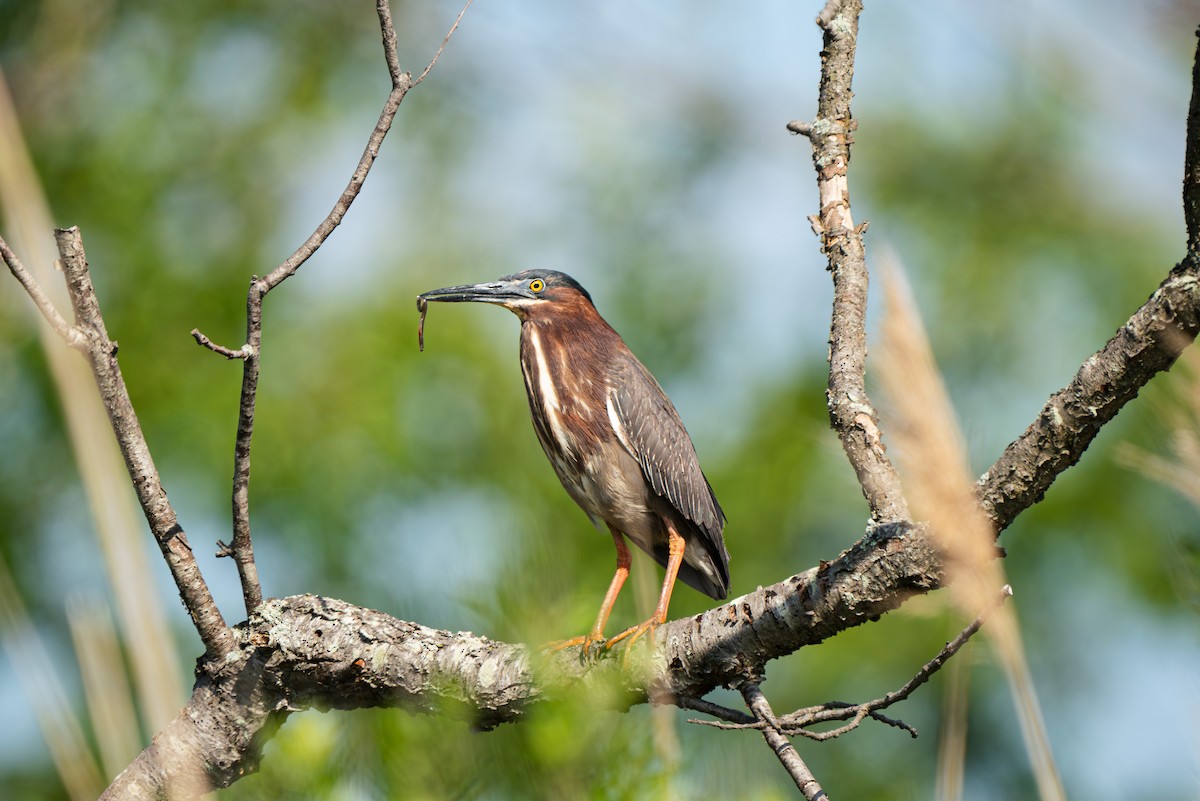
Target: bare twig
pixel 797 723
pixel 242 548
pixel 788 756
pixel 69 333
pixel 445 42
pixel 850 411
pixel 228 353
pixel 716 710
pixel 102 354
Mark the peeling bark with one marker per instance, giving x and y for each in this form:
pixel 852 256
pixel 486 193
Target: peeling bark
pixel 308 652
pixel 1146 345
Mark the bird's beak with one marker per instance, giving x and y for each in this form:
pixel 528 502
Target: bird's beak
pixel 511 294
pixel 504 293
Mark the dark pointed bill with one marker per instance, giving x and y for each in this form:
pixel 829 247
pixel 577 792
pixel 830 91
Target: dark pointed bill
pixel 502 292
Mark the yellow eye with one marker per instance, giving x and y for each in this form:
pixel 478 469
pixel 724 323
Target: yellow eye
pixel 537 285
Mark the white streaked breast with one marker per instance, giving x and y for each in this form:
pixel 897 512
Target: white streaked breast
pixel 550 401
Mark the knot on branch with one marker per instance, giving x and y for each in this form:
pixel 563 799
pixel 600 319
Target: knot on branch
pixel 800 127
pixel 823 127
pixel 831 10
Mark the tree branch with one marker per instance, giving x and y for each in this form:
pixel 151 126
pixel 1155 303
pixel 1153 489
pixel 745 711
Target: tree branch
pixel 1149 342
pixel 308 651
pixel 1191 166
pixel 71 335
pixel 242 547
pixel 445 42
pixel 806 783
pixel 89 336
pixel 724 646
pixel 101 353
pixel 850 410
pixel 797 722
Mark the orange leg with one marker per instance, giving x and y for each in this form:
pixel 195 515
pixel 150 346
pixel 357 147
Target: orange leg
pixel 596 635
pixel 675 546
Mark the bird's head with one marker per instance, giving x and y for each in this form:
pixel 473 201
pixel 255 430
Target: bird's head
pixel 528 294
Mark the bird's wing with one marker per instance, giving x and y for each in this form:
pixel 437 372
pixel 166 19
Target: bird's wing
pixel 650 429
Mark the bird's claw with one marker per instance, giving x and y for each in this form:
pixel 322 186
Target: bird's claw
pixel 633 634
pixel 594 645
pixel 586 642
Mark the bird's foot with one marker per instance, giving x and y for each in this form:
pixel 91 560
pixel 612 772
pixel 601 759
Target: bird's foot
pixel 633 634
pixel 587 643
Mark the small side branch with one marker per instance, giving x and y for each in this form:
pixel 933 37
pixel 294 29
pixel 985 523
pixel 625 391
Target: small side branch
pixel 797 723
pixel 788 756
pixel 445 42
pixel 101 352
pixel 242 548
pixel 228 353
pixel 800 127
pixel 717 711
pixel 71 335
pixel 850 410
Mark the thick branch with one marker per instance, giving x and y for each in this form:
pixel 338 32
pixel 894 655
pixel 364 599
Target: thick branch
pixel 850 410
pixel 1147 344
pixel 307 651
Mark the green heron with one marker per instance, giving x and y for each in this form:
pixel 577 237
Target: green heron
pixel 612 436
